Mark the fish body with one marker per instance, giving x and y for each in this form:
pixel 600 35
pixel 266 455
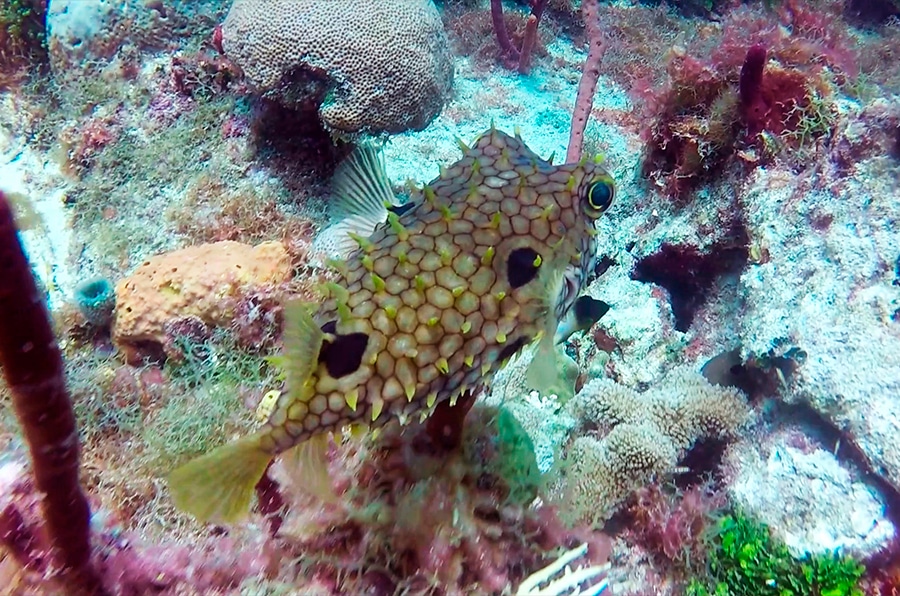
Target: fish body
pixel 430 305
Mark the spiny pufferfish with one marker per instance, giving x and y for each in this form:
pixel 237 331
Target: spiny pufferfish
pixel 432 299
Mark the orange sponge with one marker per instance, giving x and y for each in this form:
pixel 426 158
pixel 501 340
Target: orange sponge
pixel 196 281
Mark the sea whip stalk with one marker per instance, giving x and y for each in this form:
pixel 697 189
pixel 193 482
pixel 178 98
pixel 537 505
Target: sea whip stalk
pixel 590 73
pixel 33 367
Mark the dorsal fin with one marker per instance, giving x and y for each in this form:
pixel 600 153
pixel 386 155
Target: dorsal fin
pixel 361 197
pixel 361 187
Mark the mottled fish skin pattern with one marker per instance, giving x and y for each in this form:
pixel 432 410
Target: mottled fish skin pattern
pixel 431 296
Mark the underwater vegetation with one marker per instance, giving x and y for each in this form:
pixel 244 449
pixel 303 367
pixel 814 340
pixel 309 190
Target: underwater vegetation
pixel 757 95
pixel 744 559
pixel 450 297
pixel 23 41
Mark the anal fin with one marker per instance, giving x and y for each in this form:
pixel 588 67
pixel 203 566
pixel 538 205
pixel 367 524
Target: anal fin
pixel 307 466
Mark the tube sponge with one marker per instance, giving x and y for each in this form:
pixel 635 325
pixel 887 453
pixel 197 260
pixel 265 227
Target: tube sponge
pixel 96 299
pixel 753 105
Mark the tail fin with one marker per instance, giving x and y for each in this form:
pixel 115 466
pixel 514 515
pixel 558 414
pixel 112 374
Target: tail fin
pixel 218 486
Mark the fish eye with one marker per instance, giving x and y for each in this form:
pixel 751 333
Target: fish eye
pixel 600 194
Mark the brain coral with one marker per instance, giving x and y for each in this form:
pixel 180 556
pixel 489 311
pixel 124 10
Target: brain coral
pixel 372 65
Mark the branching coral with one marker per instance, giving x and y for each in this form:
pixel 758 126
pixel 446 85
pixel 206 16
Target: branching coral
pixel 641 436
pixel 545 581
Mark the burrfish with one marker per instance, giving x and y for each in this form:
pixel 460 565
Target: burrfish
pixel 428 301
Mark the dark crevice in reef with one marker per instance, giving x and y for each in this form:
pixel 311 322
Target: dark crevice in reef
pixel 602 266
pixel 294 144
pixel 700 467
pixel 702 462
pixel 758 378
pixel 872 12
pixel 689 274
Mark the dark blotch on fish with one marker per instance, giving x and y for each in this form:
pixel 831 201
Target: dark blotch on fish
pixel 589 310
pixel 584 313
pixel 522 267
pixel 343 355
pixel 401 209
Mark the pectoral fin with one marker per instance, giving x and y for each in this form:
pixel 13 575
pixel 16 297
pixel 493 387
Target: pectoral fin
pixel 303 341
pixel 360 186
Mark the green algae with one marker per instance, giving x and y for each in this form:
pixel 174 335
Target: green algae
pixel 205 405
pixel 745 560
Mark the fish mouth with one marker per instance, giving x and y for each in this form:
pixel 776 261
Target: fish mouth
pixel 571 288
pixel 575 277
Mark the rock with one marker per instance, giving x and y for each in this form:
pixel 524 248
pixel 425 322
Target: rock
pixel 807 497
pixel 72 24
pixel 828 288
pixel 80 32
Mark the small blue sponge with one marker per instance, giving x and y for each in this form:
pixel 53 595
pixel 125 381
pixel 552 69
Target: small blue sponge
pixel 96 299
